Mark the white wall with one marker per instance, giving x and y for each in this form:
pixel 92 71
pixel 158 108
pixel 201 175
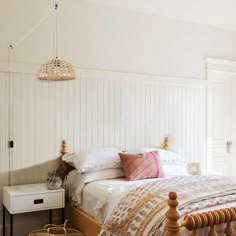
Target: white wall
pixel 98 36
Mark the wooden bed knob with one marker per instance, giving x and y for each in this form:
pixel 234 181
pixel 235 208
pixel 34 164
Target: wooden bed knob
pixel 64 146
pixel 166 143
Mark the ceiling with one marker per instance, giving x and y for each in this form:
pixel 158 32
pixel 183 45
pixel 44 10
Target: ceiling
pixel 219 13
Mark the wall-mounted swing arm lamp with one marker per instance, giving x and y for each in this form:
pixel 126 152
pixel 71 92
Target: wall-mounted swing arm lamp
pixel 54 69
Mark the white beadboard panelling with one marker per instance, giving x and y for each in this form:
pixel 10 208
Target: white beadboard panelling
pixel 15 163
pixel 111 113
pixel 70 115
pixel 100 110
pixel 106 111
pixel 142 111
pixel 133 102
pixel 83 120
pixel 52 152
pixel 100 91
pixel 31 120
pixel 76 114
pixel 4 124
pixel 117 112
pixel 4 132
pixel 44 118
pixel 64 108
pixel 58 115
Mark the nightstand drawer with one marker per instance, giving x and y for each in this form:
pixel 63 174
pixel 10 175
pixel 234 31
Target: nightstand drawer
pixel 36 202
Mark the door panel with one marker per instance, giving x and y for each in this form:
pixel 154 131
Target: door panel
pixel 218 126
pixel 221 120
pixel 232 147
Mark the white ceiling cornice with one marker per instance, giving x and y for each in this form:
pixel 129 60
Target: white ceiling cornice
pixel 220 64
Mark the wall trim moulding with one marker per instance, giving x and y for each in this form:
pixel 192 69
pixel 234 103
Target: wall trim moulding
pixel 220 65
pixel 98 74
pixel 20 67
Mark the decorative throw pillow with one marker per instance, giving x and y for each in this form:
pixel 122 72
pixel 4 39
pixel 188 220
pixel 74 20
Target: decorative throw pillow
pixel 141 166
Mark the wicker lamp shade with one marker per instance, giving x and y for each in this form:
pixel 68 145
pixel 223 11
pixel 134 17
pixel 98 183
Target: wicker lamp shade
pixel 57 69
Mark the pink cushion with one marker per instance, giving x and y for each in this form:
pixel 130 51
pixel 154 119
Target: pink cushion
pixel 141 166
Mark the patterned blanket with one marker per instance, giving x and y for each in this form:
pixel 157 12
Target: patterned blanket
pixel 142 210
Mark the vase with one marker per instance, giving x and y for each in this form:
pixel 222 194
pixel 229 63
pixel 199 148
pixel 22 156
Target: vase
pixel 55 183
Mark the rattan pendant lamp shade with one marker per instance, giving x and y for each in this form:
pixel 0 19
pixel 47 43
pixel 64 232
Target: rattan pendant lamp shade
pixel 56 68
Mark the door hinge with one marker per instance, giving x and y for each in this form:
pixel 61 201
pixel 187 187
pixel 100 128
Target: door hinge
pixel 11 144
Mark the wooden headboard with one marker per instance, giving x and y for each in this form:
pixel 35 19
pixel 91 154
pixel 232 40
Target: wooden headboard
pixel 64 146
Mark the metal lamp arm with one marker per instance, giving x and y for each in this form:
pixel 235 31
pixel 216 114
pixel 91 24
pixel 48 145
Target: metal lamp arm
pixel 12 46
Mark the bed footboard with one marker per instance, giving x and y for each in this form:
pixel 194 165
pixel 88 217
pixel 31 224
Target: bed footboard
pixel 194 222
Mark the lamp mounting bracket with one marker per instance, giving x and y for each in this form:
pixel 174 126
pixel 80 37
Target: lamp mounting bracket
pixel 10 46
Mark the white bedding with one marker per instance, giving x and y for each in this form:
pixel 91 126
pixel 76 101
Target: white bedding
pixel 142 211
pixel 100 197
pixel 93 197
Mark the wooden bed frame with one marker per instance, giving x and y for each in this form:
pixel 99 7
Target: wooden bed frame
pixel 196 221
pixel 89 227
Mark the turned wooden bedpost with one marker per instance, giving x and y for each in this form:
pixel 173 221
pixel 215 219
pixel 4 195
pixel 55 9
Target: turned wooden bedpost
pixel 172 226
pixel 166 143
pixel 63 168
pixel 64 147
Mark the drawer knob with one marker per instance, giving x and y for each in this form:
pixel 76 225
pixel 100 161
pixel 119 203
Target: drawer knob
pixel 38 201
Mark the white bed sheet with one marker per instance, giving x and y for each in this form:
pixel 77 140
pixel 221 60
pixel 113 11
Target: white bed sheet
pixel 100 197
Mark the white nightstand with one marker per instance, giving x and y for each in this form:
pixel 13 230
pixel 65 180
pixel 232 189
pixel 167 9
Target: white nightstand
pixel 31 197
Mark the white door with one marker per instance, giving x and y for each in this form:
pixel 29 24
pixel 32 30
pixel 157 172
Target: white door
pixel 232 140
pixel 221 120
pixel 218 127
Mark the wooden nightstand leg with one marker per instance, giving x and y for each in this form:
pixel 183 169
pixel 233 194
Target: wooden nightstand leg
pixel 11 224
pixel 3 221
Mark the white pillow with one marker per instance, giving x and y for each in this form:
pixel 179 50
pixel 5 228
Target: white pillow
pixel 94 160
pixel 175 169
pixel 75 181
pixel 141 150
pixel 165 156
pixel 170 157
